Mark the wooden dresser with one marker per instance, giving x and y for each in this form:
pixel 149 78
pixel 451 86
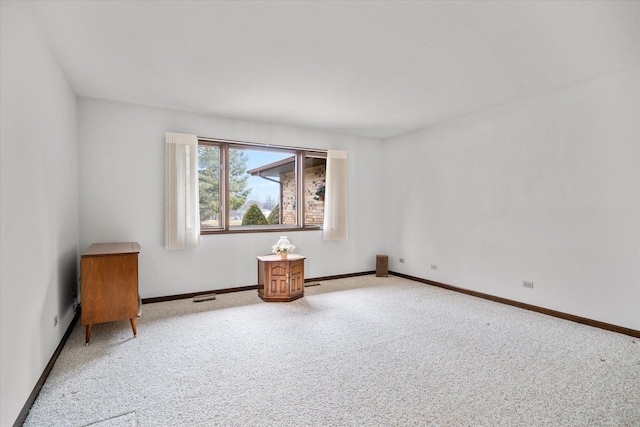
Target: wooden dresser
pixel 109 283
pixel 280 279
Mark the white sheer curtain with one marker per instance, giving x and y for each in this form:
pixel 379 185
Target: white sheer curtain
pixel 182 210
pixel 335 197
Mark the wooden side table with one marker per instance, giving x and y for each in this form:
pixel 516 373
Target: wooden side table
pixel 109 283
pixel 280 280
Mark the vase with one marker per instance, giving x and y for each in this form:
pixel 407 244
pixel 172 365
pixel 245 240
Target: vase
pixel 283 241
pixel 283 256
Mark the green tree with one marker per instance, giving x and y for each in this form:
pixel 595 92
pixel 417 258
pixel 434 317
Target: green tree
pixel 209 180
pixel 254 216
pixel 274 216
pixel 238 191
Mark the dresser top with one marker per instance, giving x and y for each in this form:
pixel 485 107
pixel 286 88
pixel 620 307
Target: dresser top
pixel 112 248
pixel 276 257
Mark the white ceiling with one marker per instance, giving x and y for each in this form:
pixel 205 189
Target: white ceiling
pixel 366 68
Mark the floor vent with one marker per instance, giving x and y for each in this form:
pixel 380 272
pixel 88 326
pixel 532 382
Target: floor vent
pixel 206 297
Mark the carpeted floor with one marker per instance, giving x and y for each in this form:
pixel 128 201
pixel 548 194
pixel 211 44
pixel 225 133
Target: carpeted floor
pixel 363 351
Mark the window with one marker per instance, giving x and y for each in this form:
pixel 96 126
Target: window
pixel 250 187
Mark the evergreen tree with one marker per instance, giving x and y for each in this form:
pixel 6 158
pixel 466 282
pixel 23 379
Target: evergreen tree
pixel 274 216
pixel 238 191
pixel 254 216
pixel 209 180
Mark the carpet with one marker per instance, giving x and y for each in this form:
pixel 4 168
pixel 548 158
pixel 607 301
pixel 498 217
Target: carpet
pixel 362 351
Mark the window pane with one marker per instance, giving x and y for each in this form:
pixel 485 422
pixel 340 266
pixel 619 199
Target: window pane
pixel 314 180
pixel 265 184
pixel 209 182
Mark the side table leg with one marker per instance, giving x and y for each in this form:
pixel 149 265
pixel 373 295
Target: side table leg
pixel 133 326
pixel 88 334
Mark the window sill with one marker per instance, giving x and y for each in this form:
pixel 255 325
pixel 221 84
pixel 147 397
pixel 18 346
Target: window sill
pixel 257 229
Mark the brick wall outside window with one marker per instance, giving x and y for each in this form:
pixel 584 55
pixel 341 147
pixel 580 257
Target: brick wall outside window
pixel 314 209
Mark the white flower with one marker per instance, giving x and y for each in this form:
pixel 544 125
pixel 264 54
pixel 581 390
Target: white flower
pixel 276 249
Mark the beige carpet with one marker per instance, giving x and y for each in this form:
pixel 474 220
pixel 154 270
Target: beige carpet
pixel 364 351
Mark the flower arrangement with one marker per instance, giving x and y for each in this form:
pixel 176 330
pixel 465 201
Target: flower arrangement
pixel 283 246
pixel 319 191
pixel 279 249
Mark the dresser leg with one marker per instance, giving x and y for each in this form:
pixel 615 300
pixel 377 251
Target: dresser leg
pixel 88 334
pixel 133 326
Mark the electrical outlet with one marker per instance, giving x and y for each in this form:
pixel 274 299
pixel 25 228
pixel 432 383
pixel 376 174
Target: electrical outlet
pixel 434 267
pixel 527 284
pixel 55 321
pixel 401 260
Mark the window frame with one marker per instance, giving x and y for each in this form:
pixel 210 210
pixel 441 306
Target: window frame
pixel 300 154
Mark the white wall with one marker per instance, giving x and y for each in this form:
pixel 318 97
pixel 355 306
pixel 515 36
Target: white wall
pixel 546 190
pixel 39 206
pixel 122 198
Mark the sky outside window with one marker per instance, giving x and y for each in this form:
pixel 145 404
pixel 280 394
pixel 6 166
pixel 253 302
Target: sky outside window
pixel 261 187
